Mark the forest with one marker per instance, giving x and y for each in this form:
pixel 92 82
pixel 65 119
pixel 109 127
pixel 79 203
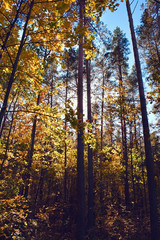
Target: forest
pixel 79 159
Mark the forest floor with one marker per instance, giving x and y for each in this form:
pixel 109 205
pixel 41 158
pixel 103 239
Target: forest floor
pixel 50 223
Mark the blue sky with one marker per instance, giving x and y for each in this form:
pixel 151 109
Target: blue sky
pixel 120 18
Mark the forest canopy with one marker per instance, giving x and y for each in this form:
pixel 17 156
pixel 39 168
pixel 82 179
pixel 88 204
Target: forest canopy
pixel 78 158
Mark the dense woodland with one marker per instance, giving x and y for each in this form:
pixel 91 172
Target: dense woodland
pixel 78 158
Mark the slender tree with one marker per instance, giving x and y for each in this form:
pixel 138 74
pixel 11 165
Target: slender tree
pixel 31 151
pixel 119 58
pixel 11 80
pixel 90 157
pixel 80 146
pixel 147 142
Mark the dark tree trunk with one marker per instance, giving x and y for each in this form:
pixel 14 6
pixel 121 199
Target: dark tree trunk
pixel 90 159
pixel 124 138
pixel 41 184
pixel 148 150
pixel 101 147
pixel 80 147
pixel 65 160
pixel 30 153
pixel 65 147
pixel 6 115
pixel 8 138
pixel 125 152
pixel 39 192
pixel 111 127
pixel 143 177
pixel 11 80
pixel 132 169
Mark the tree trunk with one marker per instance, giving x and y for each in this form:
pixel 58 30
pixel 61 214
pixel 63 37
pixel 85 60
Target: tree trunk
pixel 30 153
pixel 147 142
pixel 124 137
pixel 8 138
pixel 132 172
pixel 101 146
pixel 125 151
pixel 90 159
pixel 65 215
pixel 11 80
pixel 80 146
pixel 143 177
pixel 6 115
pixel 65 147
pixel 39 192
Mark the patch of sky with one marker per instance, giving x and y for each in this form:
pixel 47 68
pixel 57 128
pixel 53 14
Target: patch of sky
pixel 120 18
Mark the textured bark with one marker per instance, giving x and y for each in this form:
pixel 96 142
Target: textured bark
pixel 6 115
pixel 147 142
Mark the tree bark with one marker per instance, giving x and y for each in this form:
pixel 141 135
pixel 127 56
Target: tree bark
pixel 65 147
pixel 30 153
pixel 101 145
pixel 143 176
pixel 90 159
pixel 147 142
pixel 8 138
pixel 80 146
pixel 132 168
pixel 124 137
pixel 6 115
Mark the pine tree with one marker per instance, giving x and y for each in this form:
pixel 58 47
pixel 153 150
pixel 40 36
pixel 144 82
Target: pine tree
pixel 146 133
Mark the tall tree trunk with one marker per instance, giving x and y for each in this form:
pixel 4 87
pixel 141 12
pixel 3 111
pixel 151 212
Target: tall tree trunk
pixel 101 145
pixel 143 176
pixel 11 80
pixel 111 128
pixel 39 191
pixel 80 146
pixel 124 137
pixel 30 153
pixel 127 195
pixel 132 172
pixel 147 142
pixel 65 215
pixel 65 147
pixel 135 125
pixel 90 159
